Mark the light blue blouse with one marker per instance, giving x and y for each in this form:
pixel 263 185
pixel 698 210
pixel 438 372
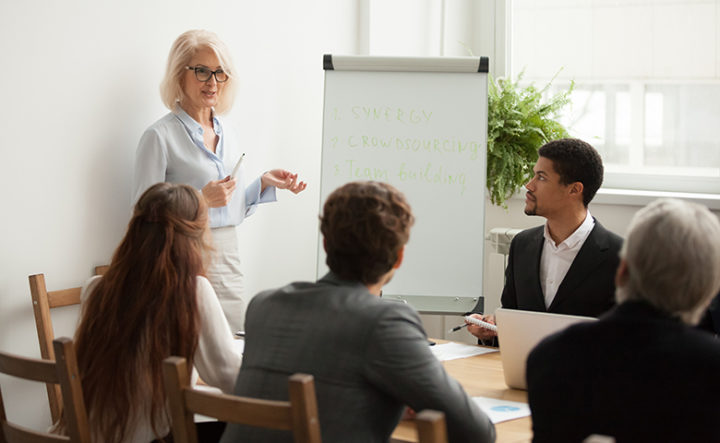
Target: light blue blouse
pixel 172 150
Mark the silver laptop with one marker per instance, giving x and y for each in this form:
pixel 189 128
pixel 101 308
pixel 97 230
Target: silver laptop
pixel 519 332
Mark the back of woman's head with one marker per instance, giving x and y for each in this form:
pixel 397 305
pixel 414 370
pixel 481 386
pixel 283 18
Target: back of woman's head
pixel 169 224
pixel 143 310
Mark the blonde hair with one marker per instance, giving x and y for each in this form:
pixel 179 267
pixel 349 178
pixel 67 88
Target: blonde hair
pixel 182 51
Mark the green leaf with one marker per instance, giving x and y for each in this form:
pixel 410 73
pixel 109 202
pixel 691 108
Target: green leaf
pixel 519 122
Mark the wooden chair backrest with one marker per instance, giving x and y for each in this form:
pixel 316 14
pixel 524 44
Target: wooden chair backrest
pixel 43 301
pixel 64 372
pixel 298 415
pixel 431 427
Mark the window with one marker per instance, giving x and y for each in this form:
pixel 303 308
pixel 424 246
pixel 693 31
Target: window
pixel 647 83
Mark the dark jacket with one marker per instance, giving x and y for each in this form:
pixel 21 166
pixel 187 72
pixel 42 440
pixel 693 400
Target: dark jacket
pixel 369 357
pixel 637 375
pixel 588 288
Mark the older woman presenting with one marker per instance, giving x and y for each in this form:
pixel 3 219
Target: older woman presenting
pixel 191 145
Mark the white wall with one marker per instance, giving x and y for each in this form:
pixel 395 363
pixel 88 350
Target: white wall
pixel 79 84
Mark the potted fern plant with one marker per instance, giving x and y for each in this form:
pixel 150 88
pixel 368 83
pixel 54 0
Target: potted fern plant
pixel 519 122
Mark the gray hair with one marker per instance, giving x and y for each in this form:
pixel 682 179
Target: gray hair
pixel 672 254
pixel 182 51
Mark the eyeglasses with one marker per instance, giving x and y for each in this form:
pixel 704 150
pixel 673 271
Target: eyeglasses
pixel 203 74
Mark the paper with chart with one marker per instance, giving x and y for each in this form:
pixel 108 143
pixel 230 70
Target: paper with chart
pixel 502 410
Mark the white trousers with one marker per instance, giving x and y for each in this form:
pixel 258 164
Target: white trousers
pixel 226 277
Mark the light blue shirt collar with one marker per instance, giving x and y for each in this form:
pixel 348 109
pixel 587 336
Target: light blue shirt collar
pixel 195 130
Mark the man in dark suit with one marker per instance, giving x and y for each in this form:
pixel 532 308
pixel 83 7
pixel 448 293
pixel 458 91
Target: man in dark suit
pixel 568 265
pixel 642 372
pixel 369 357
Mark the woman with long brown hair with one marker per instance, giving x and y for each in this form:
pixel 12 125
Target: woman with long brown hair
pixel 153 302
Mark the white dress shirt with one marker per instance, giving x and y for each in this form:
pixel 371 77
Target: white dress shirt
pixel 556 259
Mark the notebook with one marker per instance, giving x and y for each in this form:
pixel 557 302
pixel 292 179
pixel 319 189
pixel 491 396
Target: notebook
pixel 519 332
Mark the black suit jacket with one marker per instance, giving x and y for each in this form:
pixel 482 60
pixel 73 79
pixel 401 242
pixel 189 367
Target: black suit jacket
pixel 636 374
pixel 588 287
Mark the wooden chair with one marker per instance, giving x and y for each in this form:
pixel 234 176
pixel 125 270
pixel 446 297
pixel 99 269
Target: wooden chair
pixel 64 372
pixel 43 301
pixel 298 415
pixel 431 427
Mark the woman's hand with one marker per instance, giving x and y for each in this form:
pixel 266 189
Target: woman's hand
pixel 282 179
pixel 218 193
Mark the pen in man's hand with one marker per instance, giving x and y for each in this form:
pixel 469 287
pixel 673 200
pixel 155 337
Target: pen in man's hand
pixel 457 328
